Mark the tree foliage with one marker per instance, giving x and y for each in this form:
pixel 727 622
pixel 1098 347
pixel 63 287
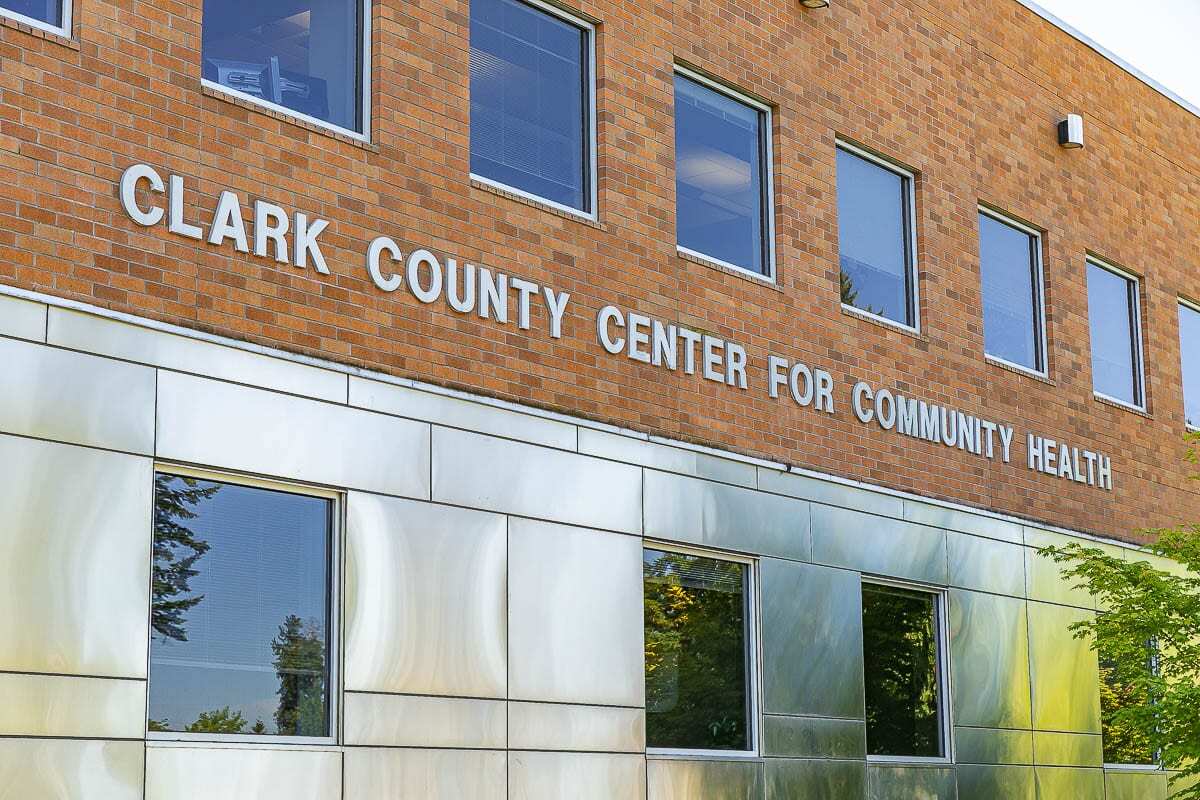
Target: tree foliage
pixel 176 550
pixel 222 720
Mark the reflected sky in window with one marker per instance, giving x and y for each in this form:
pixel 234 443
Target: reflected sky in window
pixel 1111 312
pixel 1189 352
pixel 1011 309
pixel 47 11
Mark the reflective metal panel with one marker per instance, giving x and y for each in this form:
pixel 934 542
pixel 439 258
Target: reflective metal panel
pixel 1068 749
pixel 1045 579
pixel 72 397
pixel 682 509
pixel 219 424
pixel 575 615
pixel 24 319
pixel 812 647
pixel 457 413
pixel 789 779
pixel 986 565
pixel 911 783
pixel 545 726
pixel 74 559
pixel 989 746
pixel 996 783
pixel 229 773
pixel 679 779
pixel 485 472
pixel 878 545
pixel 425 598
pixel 54 705
pixel 989 660
pixel 65 769
pixel 1058 783
pixel 1065 673
pixel 814 737
pixel 1136 785
pixel 579 776
pixel 373 774
pixel 667 458
pixel 963 521
pixel 389 720
pixel 93 334
pixel 828 492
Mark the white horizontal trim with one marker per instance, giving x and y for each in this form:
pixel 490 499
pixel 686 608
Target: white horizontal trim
pixel 221 88
pixel 1004 362
pixel 1118 402
pixel 65 7
pixel 858 312
pixel 504 187
pixel 749 273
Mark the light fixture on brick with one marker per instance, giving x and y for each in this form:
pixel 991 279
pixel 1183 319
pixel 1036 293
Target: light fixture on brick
pixel 815 3
pixel 1070 132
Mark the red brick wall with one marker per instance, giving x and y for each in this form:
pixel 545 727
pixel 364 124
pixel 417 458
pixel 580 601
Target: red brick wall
pixel 965 92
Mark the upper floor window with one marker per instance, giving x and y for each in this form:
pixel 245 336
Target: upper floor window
pixel 241 613
pixel 1113 311
pixel 1189 353
pixel 876 237
pixel 531 102
pixel 49 15
pixel 1010 266
pixel 722 175
pixel 305 57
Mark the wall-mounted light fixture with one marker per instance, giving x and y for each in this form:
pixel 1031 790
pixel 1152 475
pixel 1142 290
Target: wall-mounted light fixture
pixel 1070 131
pixel 815 3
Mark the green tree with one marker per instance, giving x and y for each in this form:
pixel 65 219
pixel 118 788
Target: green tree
pixel 299 650
pixel 221 720
pixel 176 550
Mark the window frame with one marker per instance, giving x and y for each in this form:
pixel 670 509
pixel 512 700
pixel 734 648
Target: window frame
pixel 67 8
pixel 767 161
pixel 1157 765
pixel 364 69
pixel 592 161
pixel 909 177
pixel 941 597
pixel 1195 308
pixel 1134 303
pixel 1039 287
pixel 333 608
pixel 753 654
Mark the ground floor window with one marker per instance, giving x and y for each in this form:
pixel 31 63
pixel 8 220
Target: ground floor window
pixel 1123 685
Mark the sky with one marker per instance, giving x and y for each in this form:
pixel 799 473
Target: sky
pixel 1159 37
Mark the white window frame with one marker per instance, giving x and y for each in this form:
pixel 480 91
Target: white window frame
pixel 67 9
pixel 1138 346
pixel 1040 288
pixel 768 157
pixel 941 608
pixel 753 653
pixel 334 634
pixel 589 30
pixel 1191 306
pixel 364 79
pixel 910 221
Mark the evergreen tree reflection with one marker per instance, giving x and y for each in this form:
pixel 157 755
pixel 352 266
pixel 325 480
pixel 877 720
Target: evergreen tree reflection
pixel 176 551
pixel 299 650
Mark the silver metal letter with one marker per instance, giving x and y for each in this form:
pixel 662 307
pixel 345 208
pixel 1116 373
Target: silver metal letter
pixel 378 246
pixel 129 182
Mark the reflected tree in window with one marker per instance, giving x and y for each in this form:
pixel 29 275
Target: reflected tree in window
pixel 300 664
pixel 1124 686
pixel 176 551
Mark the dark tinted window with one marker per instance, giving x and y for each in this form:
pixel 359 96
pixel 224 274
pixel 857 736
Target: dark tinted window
pixel 900 648
pixel 240 612
pixel 697 686
pixel 1120 689
pixel 1008 266
pixel 1189 351
pixel 1112 310
pixel 720 176
pixel 874 239
pixel 530 106
pixel 47 11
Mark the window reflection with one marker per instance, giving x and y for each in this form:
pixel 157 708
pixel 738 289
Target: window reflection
pixel 1112 311
pixel 900 648
pixel 697 691
pixel 1008 265
pixel 1189 353
pixel 47 11
pixel 240 610
pixel 1124 743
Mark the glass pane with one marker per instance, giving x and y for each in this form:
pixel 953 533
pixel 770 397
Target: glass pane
pixel 873 238
pixel 240 613
pixel 697 693
pixel 1189 350
pixel 1123 742
pixel 1115 371
pixel 47 11
pixel 267 49
pixel 1011 314
pixel 529 116
pixel 719 148
pixel 900 645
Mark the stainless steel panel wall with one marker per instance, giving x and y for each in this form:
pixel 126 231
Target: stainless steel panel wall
pixel 71 397
pixel 575 615
pixel 74 564
pixel 1120 785
pixel 389 720
pixel 219 424
pixel 814 737
pixel 682 509
pixel 989 660
pixel 986 565
pixel 1065 673
pixel 66 769
pixel 911 783
pixel 1046 581
pixel 1068 749
pixel 830 493
pixel 989 746
pixel 579 776
pixel 22 318
pixel 425 598
pixel 878 545
pixel 56 705
pixel 812 648
pixel 550 726
pixel 664 457
pixel 789 779
pixel 964 521
pixel 996 783
pixel 80 331
pixel 677 779
pixel 230 773
pixel 1059 783
pixel 485 472
pixel 373 774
